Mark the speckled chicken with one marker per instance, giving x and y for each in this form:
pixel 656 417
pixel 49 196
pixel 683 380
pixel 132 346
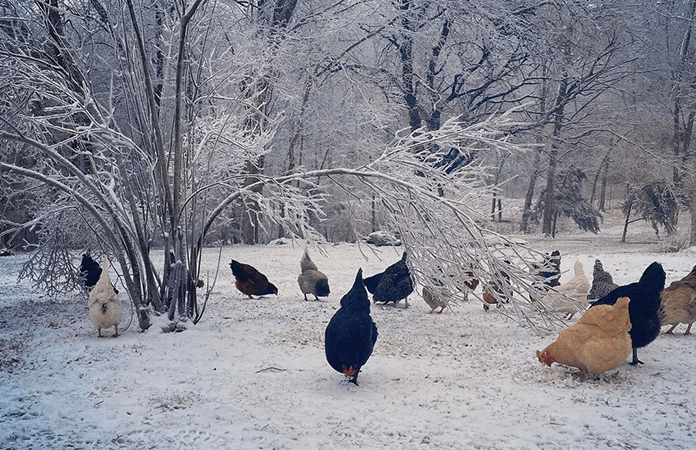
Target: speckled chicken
pixel 104 307
pixel 602 282
pixel 351 334
pixel 598 342
pixel 571 296
pixel 392 285
pixel 678 303
pixel 312 281
pixel 250 281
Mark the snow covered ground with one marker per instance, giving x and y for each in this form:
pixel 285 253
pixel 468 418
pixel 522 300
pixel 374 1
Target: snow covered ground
pixel 252 374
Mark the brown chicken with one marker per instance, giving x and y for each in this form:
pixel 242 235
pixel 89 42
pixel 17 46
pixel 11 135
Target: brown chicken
pixel 598 342
pixel 433 300
pixel 678 303
pixel 250 281
pixel 104 307
pixel 471 284
pixel 495 291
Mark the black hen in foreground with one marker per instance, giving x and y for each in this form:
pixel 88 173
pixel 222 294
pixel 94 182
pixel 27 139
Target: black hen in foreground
pixel 89 271
pixel 351 334
pixel 250 281
pixel 644 306
pixel 392 285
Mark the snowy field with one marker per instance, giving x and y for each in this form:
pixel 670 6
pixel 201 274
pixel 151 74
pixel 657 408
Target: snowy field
pixel 252 374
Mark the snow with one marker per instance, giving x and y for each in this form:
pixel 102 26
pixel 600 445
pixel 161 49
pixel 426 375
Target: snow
pixel 252 374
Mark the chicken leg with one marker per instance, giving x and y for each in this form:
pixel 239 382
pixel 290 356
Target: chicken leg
pixel 354 378
pixel 635 361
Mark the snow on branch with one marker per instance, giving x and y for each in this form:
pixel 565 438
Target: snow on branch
pixel 435 211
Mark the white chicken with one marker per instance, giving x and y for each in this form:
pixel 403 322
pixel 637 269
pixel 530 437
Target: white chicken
pixel 571 296
pixel 104 307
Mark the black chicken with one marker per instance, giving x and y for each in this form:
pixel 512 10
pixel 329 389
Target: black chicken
pixel 89 271
pixel 602 282
pixel 643 308
pixel 250 281
pixel 351 334
pixel 392 285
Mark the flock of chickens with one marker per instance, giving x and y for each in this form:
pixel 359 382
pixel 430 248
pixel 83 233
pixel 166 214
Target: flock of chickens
pixel 351 333
pixel 620 319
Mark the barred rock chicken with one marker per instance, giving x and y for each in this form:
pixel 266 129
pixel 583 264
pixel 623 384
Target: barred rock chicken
pixel 250 281
pixel 598 342
pixel 433 300
pixel 602 282
pixel 571 296
pixel 89 271
pixel 351 334
pixel 679 303
pixel 644 308
pixel 312 281
pixel 104 307
pixel 392 285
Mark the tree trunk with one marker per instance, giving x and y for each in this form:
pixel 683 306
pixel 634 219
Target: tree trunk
pixel 680 139
pixel 534 175
pixel 627 221
pixel 433 120
pixel 603 190
pixel 547 227
pixel 250 218
pixel 273 19
pixel 408 85
pixel 373 208
pixel 529 196
pixel 493 205
pixel 603 167
pixel 692 234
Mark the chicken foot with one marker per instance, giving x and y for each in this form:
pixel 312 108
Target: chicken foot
pixel 635 361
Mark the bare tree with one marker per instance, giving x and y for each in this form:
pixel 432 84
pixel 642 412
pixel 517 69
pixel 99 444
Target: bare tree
pixel 152 172
pixel 578 72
